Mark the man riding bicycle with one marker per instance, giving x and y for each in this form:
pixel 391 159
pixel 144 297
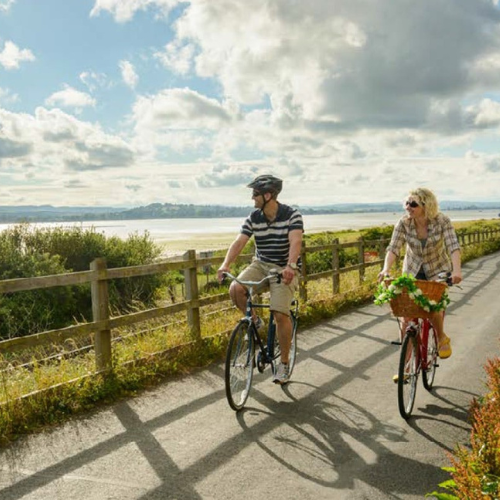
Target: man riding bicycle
pixel 277 230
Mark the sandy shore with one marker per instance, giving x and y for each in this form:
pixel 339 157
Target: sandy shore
pixel 200 243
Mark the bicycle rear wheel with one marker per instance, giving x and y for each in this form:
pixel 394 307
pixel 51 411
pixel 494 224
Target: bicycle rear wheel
pixel 239 365
pixel 407 375
pixel 431 359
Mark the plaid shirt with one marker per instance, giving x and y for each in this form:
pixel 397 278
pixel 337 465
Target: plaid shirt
pixel 442 241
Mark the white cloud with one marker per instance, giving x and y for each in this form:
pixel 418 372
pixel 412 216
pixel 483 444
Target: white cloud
pixel 124 10
pixel 93 80
pixel 7 97
pixel 5 5
pixel 177 57
pixel 11 55
pixel 128 74
pixel 180 109
pixel 70 97
pixel 347 65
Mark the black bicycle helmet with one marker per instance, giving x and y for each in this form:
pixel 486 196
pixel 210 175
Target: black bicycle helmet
pixel 266 184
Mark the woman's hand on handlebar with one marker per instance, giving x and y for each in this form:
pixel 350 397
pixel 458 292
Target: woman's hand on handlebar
pixel 382 275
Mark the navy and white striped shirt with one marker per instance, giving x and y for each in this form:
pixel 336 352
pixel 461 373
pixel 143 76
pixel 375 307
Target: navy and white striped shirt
pixel 271 238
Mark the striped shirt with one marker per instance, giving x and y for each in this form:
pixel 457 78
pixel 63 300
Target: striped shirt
pixel 271 238
pixel 434 256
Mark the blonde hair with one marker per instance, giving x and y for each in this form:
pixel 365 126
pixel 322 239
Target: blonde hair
pixel 428 200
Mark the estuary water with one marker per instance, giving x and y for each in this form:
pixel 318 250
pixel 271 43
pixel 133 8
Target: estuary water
pixel 171 230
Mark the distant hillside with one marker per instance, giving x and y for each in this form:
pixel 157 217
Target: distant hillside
pixel 48 213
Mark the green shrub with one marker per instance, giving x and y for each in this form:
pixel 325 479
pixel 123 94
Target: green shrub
pixel 27 251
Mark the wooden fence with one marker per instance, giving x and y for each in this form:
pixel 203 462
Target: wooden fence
pixel 369 253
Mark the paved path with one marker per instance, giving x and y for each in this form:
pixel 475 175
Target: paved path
pixel 334 433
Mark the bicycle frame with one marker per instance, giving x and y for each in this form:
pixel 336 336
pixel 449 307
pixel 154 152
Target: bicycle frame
pixel 420 328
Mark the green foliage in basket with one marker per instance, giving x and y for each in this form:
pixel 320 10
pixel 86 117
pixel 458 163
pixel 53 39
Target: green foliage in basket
pixel 385 293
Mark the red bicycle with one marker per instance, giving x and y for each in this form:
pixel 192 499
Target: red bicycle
pixel 419 345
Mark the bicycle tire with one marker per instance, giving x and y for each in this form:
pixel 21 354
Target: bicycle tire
pixel 429 373
pixel 407 375
pixel 239 365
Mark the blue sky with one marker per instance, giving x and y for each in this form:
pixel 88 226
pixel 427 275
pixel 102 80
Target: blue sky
pixel 130 102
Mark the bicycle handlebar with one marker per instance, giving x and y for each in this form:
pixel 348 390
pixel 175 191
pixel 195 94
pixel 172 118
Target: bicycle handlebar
pixel 273 274
pixel 444 277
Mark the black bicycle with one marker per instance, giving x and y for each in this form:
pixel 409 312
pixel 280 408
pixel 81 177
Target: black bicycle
pixel 240 355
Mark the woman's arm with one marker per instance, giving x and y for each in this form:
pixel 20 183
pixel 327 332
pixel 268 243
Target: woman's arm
pixel 390 258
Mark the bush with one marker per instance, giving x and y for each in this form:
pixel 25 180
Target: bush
pixel 476 471
pixel 27 251
pixel 318 262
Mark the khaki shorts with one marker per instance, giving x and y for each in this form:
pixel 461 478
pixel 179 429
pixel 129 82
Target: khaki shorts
pixel 281 294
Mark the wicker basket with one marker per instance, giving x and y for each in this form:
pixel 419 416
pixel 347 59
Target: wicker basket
pixel 403 305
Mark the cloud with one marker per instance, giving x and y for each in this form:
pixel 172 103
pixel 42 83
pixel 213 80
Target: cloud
pixel 228 176
pixel 93 80
pixel 124 10
pixel 54 141
pixel 93 154
pixel 5 5
pixel 129 75
pixel 69 97
pixel 180 108
pixel 348 65
pixel 7 97
pixel 13 149
pixel 11 56
pixel 177 57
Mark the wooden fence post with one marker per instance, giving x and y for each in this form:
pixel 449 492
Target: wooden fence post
pixel 336 266
pixel 100 312
pixel 361 260
pixel 303 276
pixel 191 280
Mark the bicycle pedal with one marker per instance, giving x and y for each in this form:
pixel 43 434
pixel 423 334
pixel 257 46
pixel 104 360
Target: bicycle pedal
pixel 396 342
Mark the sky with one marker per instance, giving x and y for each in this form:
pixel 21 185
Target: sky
pixel 124 103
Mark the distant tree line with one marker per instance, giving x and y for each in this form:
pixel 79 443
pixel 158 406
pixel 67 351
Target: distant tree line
pixel 191 211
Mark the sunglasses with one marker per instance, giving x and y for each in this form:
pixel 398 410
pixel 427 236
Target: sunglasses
pixel 412 204
pixel 256 193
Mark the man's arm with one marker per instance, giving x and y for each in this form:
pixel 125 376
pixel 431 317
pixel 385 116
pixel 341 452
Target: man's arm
pixel 232 253
pixel 295 239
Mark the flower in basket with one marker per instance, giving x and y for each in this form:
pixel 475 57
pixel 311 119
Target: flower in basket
pixel 407 282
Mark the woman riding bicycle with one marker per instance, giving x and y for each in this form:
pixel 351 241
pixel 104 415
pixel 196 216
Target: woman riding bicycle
pixel 431 248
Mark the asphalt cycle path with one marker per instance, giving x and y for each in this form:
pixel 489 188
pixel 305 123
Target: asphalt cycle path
pixel 334 432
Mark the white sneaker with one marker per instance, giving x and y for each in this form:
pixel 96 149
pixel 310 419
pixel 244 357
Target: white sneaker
pixel 282 375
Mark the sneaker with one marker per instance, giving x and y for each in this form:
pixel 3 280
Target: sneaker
pixel 282 374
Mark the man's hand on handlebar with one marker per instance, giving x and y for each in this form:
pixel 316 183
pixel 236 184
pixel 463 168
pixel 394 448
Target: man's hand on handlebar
pixel 220 273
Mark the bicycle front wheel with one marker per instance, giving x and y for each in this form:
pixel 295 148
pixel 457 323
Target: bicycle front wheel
pixel 407 375
pixel 431 354
pixel 239 365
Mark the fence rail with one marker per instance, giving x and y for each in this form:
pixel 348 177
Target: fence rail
pixel 369 253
